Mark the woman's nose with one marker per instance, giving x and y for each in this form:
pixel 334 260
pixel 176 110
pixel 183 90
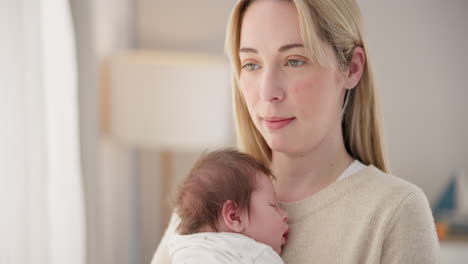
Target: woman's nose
pixel 271 89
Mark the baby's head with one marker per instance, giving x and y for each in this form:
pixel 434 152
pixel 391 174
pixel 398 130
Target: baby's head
pixel 229 191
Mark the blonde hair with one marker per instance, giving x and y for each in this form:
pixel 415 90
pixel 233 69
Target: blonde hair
pixel 337 23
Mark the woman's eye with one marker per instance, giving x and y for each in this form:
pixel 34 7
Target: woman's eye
pixel 295 63
pixel 251 66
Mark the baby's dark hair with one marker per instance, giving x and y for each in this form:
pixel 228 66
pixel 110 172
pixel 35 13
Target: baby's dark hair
pixel 216 177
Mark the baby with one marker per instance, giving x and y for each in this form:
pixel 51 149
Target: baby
pixel 228 213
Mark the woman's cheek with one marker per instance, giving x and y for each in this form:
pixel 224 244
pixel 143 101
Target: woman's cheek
pixel 304 93
pixel 249 92
pixel 311 101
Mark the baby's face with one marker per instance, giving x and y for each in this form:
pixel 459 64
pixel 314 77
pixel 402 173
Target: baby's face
pixel 267 222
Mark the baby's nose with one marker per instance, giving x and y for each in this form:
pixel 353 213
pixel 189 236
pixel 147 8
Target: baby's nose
pixel 285 215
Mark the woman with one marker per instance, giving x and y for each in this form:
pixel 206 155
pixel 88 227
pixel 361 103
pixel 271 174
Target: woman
pixel 306 105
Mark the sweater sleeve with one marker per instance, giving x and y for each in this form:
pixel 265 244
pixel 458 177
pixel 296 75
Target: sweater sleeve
pixel 161 256
pixel 412 236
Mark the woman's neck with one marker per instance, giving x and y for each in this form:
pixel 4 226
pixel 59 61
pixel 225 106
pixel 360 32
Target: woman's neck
pixel 300 176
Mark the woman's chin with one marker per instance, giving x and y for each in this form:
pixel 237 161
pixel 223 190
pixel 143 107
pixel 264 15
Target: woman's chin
pixel 289 148
pixel 281 145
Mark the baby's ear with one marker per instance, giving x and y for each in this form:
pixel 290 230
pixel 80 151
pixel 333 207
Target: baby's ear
pixel 234 217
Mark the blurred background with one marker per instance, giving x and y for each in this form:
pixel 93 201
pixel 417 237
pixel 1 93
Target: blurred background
pixel 105 105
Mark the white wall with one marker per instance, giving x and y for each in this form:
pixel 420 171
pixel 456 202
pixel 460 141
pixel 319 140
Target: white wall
pixel 419 49
pixel 20 238
pixel 183 24
pixel 103 27
pixel 88 114
pixel 42 218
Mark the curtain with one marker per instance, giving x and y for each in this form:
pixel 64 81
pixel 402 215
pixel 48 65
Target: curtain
pixel 41 197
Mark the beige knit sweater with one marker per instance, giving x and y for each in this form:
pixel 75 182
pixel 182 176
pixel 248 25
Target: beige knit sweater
pixel 368 217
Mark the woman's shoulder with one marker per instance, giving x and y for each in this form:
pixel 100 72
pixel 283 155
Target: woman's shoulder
pixel 390 188
pixel 387 181
pixel 409 224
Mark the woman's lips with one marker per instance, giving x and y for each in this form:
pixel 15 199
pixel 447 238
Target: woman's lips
pixel 277 122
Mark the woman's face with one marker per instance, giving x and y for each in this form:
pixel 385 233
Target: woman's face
pixel 293 101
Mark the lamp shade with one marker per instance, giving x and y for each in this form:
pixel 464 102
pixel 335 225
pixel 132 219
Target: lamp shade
pixel 170 100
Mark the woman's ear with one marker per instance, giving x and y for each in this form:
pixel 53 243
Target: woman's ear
pixel 234 217
pixel 355 68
